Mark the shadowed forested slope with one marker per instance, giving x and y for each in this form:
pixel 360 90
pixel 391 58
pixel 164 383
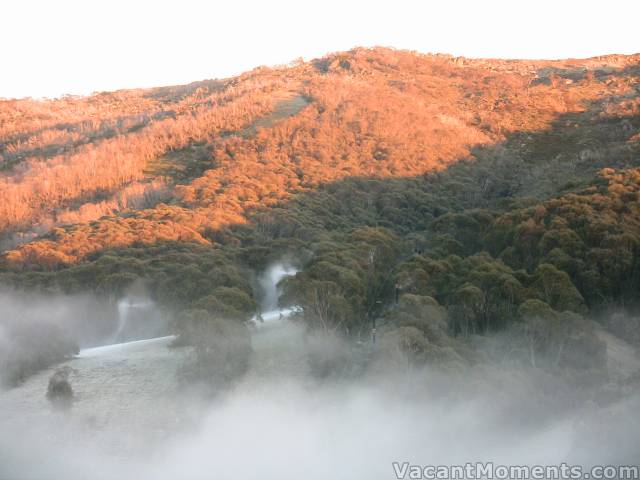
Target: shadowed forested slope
pixel 440 197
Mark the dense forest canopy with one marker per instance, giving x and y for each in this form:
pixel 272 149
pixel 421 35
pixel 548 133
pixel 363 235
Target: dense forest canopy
pixel 441 197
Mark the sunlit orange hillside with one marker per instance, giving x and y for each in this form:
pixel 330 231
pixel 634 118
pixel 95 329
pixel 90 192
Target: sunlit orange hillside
pixel 176 163
pixel 447 197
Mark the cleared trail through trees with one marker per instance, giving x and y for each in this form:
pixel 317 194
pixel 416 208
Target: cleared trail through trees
pixel 288 104
pixel 190 161
pixel 278 346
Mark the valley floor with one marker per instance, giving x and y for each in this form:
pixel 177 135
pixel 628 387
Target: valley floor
pixel 131 419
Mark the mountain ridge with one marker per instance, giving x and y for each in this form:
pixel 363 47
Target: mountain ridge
pixel 446 198
pixel 378 57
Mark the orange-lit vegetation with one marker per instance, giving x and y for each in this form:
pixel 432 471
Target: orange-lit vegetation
pixel 485 190
pixel 41 185
pixel 379 113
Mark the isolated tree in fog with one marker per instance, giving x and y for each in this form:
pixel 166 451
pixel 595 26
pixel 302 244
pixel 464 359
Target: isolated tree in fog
pixel 59 391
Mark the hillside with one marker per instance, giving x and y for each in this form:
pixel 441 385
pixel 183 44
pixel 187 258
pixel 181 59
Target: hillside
pixel 441 197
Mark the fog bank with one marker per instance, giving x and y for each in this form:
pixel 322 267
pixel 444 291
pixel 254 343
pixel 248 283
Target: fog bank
pixel 132 420
pixel 311 406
